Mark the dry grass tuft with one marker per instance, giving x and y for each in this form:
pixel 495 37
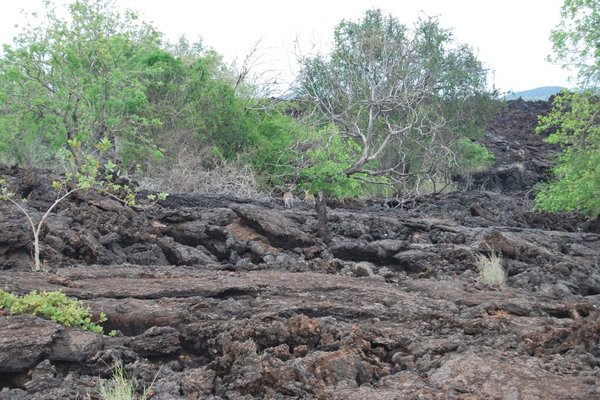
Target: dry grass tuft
pixel 491 270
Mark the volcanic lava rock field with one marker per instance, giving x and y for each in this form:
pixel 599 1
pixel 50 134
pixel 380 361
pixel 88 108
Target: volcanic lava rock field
pixel 224 298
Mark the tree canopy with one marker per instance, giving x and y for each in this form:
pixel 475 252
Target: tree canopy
pixel 75 81
pixel 396 96
pixel 99 72
pixel 390 105
pixel 575 117
pixel 576 40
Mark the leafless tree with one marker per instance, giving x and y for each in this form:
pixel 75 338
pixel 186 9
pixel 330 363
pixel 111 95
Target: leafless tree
pixel 253 75
pixel 385 87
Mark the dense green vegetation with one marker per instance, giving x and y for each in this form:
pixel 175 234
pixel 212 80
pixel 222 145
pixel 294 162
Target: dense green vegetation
pixel 100 75
pixel 66 84
pixel 52 305
pixel 575 117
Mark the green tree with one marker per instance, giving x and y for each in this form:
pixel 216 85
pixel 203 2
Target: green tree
pixel 69 82
pixel 575 122
pixel 575 117
pixel 576 40
pixel 397 96
pixel 193 94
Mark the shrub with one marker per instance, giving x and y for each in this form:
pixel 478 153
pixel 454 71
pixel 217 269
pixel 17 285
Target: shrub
pixel 274 155
pixel 473 157
pixel 76 75
pixel 574 121
pixel 491 269
pixel 396 96
pixel 52 305
pixel 188 174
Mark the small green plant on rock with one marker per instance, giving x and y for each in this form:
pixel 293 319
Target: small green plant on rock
pixel 491 270
pixel 52 305
pixel 119 387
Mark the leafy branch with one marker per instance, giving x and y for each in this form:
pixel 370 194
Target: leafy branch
pixel 88 176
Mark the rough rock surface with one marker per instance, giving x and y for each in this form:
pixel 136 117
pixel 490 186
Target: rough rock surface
pixel 222 298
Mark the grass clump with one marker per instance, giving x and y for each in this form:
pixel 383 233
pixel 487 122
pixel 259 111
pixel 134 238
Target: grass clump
pixel 52 305
pixel 119 387
pixel 491 270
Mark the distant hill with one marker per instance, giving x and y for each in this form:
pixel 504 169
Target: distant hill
pixel 540 93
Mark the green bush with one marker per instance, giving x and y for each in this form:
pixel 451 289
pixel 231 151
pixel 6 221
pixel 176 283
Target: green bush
pixel 473 157
pixel 577 186
pixel 573 120
pixel 400 98
pixel 275 137
pixel 52 305
pixel 327 159
pixel 75 78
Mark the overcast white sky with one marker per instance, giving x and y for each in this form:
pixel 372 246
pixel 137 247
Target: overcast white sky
pixel 510 36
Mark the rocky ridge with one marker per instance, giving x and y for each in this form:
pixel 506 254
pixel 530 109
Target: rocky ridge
pixel 223 298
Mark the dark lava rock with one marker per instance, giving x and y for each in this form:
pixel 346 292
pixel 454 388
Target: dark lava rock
pixel 221 298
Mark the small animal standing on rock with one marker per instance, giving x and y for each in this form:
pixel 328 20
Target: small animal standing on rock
pixel 288 199
pixel 309 198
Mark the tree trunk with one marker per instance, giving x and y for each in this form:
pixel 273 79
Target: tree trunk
pixel 321 207
pixel 36 251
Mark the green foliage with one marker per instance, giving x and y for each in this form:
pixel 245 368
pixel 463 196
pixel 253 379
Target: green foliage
pixel 120 387
pixel 472 156
pixel 326 161
pixel 72 81
pixel 399 98
pixel 316 159
pixel 99 85
pixel 275 138
pixel 198 99
pixel 574 119
pixel 195 99
pixel 273 153
pixel 575 40
pixel 52 305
